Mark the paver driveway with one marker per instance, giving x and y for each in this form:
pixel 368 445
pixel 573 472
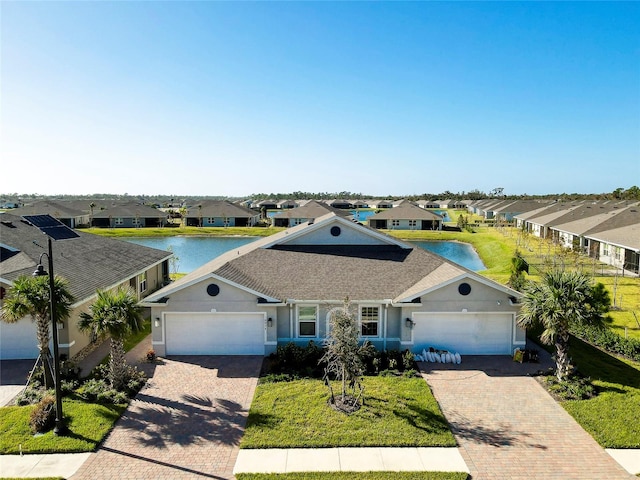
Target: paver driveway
pixel 508 427
pixel 185 424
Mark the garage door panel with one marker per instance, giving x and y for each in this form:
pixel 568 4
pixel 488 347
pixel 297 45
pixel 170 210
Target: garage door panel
pixel 214 334
pixel 18 340
pixel 470 334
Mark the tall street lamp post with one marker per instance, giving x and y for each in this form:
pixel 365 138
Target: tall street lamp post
pixel 60 428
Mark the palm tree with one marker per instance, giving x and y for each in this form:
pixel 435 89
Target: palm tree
pixel 115 314
pixel 561 299
pixel 29 296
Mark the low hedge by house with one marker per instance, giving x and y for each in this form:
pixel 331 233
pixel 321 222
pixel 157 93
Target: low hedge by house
pixel 608 340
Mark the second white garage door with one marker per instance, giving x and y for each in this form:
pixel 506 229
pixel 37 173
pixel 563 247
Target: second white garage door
pixel 214 333
pixel 466 333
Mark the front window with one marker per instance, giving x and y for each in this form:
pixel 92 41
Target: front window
pixel 395 223
pixel 369 321
pixel 413 223
pixel 143 282
pixel 119 221
pixel 307 321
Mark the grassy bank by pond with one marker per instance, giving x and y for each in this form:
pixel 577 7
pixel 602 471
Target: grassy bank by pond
pixel 186 231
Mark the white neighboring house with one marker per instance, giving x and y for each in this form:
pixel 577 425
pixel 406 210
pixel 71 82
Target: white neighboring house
pixel 283 288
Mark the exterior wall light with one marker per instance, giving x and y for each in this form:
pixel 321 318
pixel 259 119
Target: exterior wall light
pixel 408 322
pixel 269 322
pixel 156 322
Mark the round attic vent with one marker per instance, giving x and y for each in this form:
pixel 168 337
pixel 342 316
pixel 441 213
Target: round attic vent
pixel 213 289
pixel 335 231
pixel 464 289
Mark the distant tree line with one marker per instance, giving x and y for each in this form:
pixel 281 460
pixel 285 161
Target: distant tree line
pixel 631 193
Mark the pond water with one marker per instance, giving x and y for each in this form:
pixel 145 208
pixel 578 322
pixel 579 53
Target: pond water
pixel 193 252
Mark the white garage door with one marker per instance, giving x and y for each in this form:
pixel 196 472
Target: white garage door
pixel 214 334
pixel 18 340
pixel 466 333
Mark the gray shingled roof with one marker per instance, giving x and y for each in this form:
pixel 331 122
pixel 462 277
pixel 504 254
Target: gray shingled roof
pixel 47 207
pixel 331 272
pixel 220 208
pixel 286 266
pixel 130 210
pixel 405 211
pixel 312 209
pixel 88 262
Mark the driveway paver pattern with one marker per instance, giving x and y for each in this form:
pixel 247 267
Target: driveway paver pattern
pixel 185 424
pixel 509 427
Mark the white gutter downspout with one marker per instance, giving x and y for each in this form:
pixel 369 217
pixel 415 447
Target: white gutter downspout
pixel 387 302
pixel 290 321
pixel 386 323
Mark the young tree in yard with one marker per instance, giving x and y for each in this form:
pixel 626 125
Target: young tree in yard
pixel 561 299
pixel 344 357
pixel 115 314
pixel 29 296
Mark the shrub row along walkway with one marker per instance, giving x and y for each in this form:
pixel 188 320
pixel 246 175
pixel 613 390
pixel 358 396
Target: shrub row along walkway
pixel 509 427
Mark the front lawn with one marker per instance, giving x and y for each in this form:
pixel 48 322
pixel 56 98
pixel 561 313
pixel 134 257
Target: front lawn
pixel 398 412
pixel 88 424
pixel 354 476
pixel 612 416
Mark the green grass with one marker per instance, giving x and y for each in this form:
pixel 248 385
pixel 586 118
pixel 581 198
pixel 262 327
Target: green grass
pixel 136 337
pixel 612 416
pixel 354 476
pixel 398 412
pixel 88 424
pixel 191 231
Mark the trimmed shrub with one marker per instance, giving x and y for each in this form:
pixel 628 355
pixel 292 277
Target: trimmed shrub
pixel 297 360
pixel 32 394
pixel 573 388
pixel 43 415
pixel 608 340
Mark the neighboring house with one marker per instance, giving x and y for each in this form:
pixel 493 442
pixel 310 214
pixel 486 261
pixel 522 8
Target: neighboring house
pixel 131 215
pixel 428 204
pixel 283 288
pixel 220 213
pixel 88 262
pixel 340 203
pixel 406 216
pixel 506 212
pixel 285 204
pixel 616 241
pixel 359 204
pixel 68 214
pixel 266 205
pixel 569 229
pixel 380 204
pixel 459 204
pixel 537 221
pixel 300 215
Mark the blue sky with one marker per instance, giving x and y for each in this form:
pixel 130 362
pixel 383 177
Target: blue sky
pixel 382 98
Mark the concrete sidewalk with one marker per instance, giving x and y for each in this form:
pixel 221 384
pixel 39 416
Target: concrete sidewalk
pixel 42 465
pixel 422 459
pixel 347 459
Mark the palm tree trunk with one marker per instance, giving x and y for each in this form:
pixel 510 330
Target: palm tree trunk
pixel 562 356
pixel 117 365
pixel 42 333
